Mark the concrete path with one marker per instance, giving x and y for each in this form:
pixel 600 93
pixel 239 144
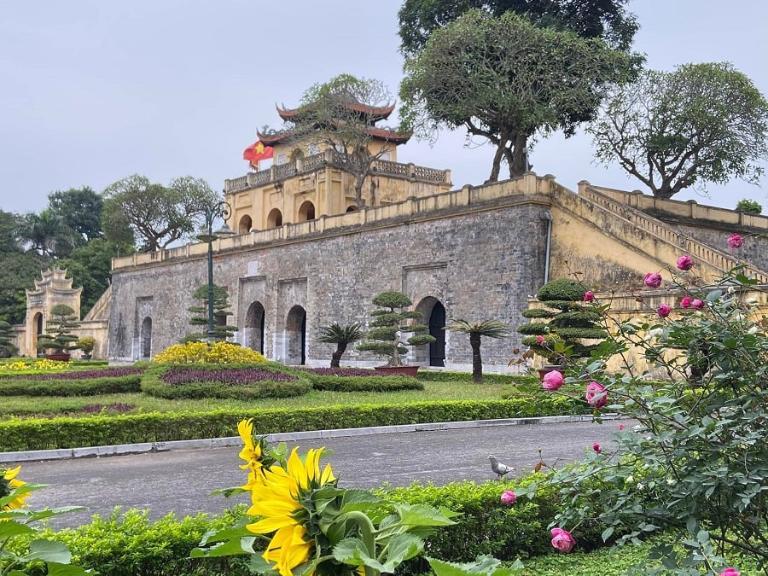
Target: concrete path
pixel 182 481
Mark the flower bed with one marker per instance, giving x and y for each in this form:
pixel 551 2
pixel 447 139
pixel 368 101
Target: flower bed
pixel 204 353
pixel 72 383
pixel 72 432
pixel 213 381
pixel 30 366
pixel 359 380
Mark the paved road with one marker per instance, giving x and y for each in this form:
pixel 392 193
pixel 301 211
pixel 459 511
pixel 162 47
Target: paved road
pixel 182 481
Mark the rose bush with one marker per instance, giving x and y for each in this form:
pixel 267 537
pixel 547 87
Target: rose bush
pixel 695 465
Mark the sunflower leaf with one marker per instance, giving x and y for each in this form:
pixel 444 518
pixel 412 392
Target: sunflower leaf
pixel 48 551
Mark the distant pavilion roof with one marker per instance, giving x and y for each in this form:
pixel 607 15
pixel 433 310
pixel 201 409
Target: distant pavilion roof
pixel 385 134
pixel 375 112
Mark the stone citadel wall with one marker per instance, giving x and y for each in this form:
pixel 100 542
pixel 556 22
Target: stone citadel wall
pixel 480 261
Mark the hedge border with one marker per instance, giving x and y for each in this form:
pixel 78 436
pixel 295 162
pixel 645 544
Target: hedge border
pixel 153 385
pixel 330 383
pixel 85 387
pixel 74 432
pixel 492 378
pixel 126 544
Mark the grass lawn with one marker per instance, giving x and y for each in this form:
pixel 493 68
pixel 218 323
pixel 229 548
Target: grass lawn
pixel 45 406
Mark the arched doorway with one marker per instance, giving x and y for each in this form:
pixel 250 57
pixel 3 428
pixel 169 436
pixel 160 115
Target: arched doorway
pixel 433 312
pixel 254 327
pixel 297 154
pixel 306 211
pixel 275 218
pixel 146 338
pixel 245 225
pixel 296 336
pixel 352 208
pixel 37 326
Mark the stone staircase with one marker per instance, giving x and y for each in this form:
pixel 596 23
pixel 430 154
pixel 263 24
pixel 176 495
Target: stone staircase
pixel 657 239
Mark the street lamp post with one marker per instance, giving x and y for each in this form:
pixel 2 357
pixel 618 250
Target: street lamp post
pixel 219 210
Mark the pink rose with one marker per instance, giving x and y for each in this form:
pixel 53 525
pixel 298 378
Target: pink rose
pixel 552 380
pixel 730 572
pixel 508 497
pixel 597 448
pixel 562 540
pixel 698 304
pixel 621 427
pixel 686 302
pixel 652 279
pixel 685 262
pixel 735 241
pixel 664 310
pixel 589 296
pixel 540 340
pixel 597 395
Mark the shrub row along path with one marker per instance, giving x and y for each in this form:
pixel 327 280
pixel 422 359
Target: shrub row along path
pixel 182 481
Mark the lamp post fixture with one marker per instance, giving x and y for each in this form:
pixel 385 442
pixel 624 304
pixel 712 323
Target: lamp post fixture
pixel 219 210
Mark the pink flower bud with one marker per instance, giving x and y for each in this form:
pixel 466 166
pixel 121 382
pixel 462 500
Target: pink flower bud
pixel 685 262
pixel 597 448
pixel 508 497
pixel 597 395
pixel 562 540
pixel 730 572
pixel 697 304
pixel 540 340
pixel 735 241
pixel 589 296
pixel 552 380
pixel 652 279
pixel 621 427
pixel 685 302
pixel 664 310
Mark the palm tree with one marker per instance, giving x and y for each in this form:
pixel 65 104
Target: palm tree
pixel 340 335
pixel 476 331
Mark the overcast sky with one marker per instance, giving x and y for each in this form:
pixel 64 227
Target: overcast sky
pixel 92 91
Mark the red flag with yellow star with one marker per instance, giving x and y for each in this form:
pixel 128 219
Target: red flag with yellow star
pixel 256 152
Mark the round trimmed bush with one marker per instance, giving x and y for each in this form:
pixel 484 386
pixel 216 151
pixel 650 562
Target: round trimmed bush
pixel 241 382
pixel 359 380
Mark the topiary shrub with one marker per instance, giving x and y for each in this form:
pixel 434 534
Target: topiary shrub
pixel 204 353
pixel 389 320
pixel 557 331
pixel 213 381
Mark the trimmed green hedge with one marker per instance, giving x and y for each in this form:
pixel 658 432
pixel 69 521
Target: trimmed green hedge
pixel 445 376
pixel 131 545
pixel 69 432
pixel 328 383
pixel 153 384
pixel 86 387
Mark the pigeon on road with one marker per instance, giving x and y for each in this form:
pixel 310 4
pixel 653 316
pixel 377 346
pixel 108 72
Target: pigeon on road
pixel 500 469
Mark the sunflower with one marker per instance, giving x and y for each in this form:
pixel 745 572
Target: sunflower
pixel 9 483
pixel 281 503
pixel 252 453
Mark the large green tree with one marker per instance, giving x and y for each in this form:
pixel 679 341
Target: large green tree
pixel 79 209
pixel 672 130
pixel 158 215
pixel 606 19
pixel 46 234
pixel 506 80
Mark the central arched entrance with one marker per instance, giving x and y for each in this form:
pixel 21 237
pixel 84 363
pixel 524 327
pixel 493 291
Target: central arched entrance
pixel 296 336
pixel 306 211
pixel 37 325
pixel 146 338
pixel 245 225
pixel 254 327
pixel 433 312
pixel 275 218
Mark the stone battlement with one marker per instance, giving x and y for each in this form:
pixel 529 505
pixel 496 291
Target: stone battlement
pixel 463 199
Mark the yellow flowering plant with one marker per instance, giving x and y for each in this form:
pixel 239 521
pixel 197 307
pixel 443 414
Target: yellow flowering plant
pixel 17 524
pixel 23 365
pixel 204 353
pixel 306 525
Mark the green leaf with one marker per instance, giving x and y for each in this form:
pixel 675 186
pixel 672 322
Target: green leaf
pixel 234 547
pixel 401 548
pixel 607 533
pixel 423 515
pixel 352 551
pixel 10 528
pixel 56 569
pixel 48 551
pixel 484 566
pixel 358 500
